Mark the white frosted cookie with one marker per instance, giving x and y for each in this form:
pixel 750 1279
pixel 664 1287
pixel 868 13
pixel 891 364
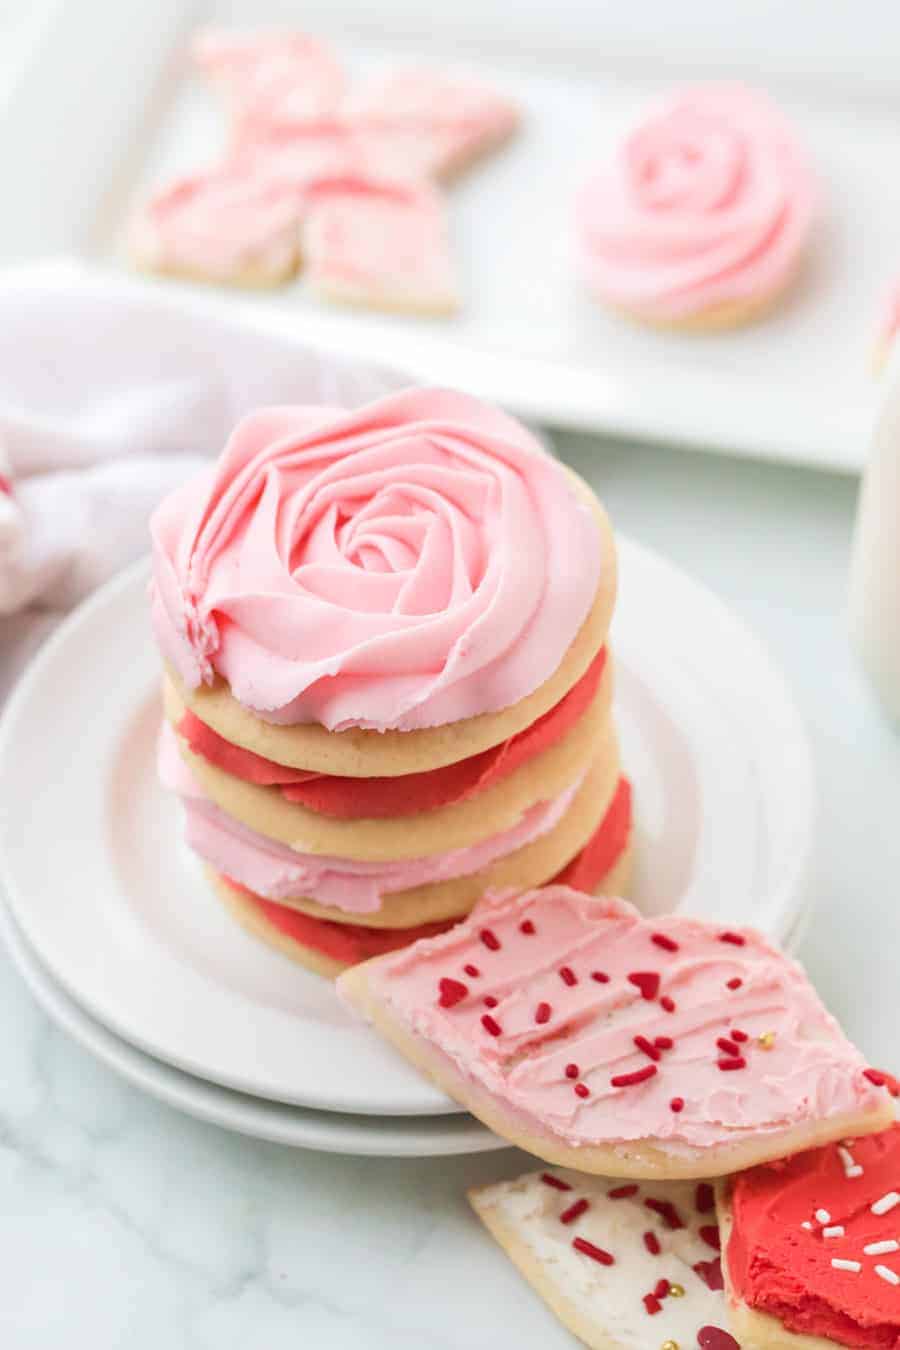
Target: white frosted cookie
pixel 626 1046
pixel 623 1267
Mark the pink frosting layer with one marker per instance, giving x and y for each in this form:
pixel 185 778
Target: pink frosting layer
pixel 270 77
pixel 709 201
pixel 716 984
pixel 277 872
pixel 411 564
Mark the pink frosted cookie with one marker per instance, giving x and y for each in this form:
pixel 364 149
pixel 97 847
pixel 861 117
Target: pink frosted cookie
pixel 810 1249
pixel 430 122
pixel 624 1046
pixel 622 1267
pixel 380 244
pixel 221 226
pixel 701 220
pixel 270 78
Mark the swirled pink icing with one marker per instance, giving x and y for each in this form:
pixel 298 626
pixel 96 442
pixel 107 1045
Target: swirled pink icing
pixel 278 872
pixel 708 202
pixel 416 562
pixel 584 985
pixel 270 78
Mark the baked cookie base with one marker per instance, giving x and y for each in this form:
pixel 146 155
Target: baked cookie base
pixel 249 916
pixel 639 1159
pixel 456 825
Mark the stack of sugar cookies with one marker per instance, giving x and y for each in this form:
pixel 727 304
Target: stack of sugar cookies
pixel 388 685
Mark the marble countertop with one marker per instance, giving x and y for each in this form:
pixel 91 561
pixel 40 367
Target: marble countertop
pixel 124 1224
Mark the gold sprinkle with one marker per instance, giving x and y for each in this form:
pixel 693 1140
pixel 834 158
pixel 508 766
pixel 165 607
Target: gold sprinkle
pixel 669 1345
pixel 676 1291
pixel 767 1040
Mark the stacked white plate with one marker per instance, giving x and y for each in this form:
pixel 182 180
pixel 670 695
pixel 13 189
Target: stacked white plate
pixel 124 945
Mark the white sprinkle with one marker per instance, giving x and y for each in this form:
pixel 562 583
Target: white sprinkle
pixel 887 1274
pixel 854 1171
pixel 807 1225
pixel 836 1231
pixel 879 1248
pixel 823 1216
pixel 886 1203
pixel 845 1156
pixel 853 1266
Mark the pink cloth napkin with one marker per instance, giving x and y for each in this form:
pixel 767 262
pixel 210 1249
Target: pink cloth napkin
pixel 111 393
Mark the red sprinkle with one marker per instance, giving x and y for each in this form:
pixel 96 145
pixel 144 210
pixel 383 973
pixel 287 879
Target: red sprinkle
pixel 648 1048
pixel 490 939
pixel 582 1090
pixel 727 1065
pixel 710 1235
pixel 472 971
pixel 651 1242
pixel 652 1304
pixel 730 1047
pixel 714 1338
pixel 666 1211
pixel 663 1042
pixel 568 975
pixel 556 1182
pixel 734 983
pixel 890 1082
pixel 491 1025
pixel 600 976
pixel 574 1211
pixel 527 927
pixel 490 1001
pixel 875 1076
pixel 662 940
pixel 647 981
pixel 710 1273
pixel 542 1013
pixel 676 1104
pixel 735 939
pixel 623 1192
pixel 571 1070
pixel 667 1003
pixel 451 992
pixel 739 1036
pixel 632 1079
pixel 705 1199
pixel 595 1253
pixel 661 1289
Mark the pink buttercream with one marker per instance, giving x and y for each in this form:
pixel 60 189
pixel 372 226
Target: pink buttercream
pixel 270 77
pixel 709 201
pixel 277 872
pixel 812 1072
pixel 411 564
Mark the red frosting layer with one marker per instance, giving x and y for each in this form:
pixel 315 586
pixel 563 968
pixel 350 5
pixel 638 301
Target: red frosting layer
pixel 379 798
pixel 352 943
pixel 781 1268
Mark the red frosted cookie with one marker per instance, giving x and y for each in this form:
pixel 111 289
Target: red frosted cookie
pixel 812 1247
pixel 620 1045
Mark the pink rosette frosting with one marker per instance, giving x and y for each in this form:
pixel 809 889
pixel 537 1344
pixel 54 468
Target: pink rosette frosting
pixel 709 202
pixel 413 563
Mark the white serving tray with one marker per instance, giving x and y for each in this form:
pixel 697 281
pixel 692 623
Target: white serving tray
pixel 106 108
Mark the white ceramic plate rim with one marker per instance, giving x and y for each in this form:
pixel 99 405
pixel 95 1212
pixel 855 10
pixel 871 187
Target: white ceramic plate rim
pixel 275 1122
pixel 686 612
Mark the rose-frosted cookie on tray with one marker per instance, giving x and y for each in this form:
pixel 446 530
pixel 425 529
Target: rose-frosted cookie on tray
pixel 811 1247
pixel 623 1267
pixel 620 1045
pixel 702 219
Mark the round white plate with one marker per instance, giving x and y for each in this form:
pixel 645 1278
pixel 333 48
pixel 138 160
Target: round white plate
pixel 116 909
pixel 296 1126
